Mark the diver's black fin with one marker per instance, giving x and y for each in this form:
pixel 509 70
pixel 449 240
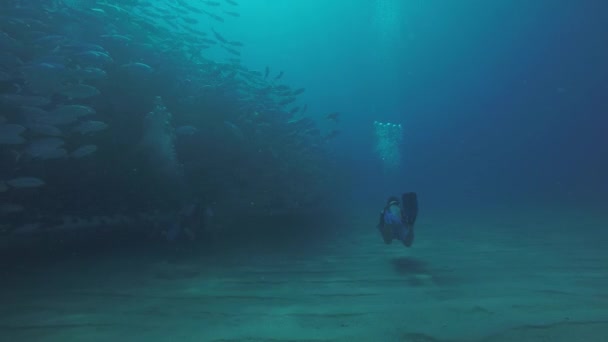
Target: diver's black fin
pixel 410 207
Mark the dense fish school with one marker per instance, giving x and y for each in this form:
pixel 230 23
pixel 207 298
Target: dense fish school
pixel 115 108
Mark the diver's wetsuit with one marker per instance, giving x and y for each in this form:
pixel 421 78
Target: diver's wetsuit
pixel 397 222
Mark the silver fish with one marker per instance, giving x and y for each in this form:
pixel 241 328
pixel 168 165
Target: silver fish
pixel 5 76
pixel 24 100
pixel 25 182
pixel 10 134
pixel 48 153
pixel 83 151
pixel 91 126
pixel 138 68
pixel 73 111
pixel 11 129
pixel 44 129
pixel 79 91
pixel 38 116
pixel 89 74
pixel 92 58
pixel 117 38
pixel 46 148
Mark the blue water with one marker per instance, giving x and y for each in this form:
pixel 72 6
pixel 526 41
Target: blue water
pixel 201 104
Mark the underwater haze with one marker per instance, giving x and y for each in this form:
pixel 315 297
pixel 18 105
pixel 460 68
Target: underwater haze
pixel 303 170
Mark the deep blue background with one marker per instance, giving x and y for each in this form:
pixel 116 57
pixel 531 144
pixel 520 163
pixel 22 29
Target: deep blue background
pixel 502 102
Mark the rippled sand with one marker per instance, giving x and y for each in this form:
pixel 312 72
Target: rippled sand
pixel 529 276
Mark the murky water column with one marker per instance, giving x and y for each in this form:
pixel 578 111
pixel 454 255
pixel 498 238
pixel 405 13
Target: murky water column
pixel 387 22
pixel 389 139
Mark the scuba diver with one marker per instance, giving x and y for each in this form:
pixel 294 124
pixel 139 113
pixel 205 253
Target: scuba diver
pixel 397 219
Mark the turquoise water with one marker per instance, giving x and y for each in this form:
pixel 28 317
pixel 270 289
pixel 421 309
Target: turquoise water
pixel 184 170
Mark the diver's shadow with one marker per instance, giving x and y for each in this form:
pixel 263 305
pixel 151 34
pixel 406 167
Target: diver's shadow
pixel 420 274
pixel 409 266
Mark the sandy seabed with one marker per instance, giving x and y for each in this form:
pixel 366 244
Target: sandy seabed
pixel 500 276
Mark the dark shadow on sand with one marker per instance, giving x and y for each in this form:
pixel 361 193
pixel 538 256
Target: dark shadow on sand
pixel 419 273
pixel 409 266
pixel 411 269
